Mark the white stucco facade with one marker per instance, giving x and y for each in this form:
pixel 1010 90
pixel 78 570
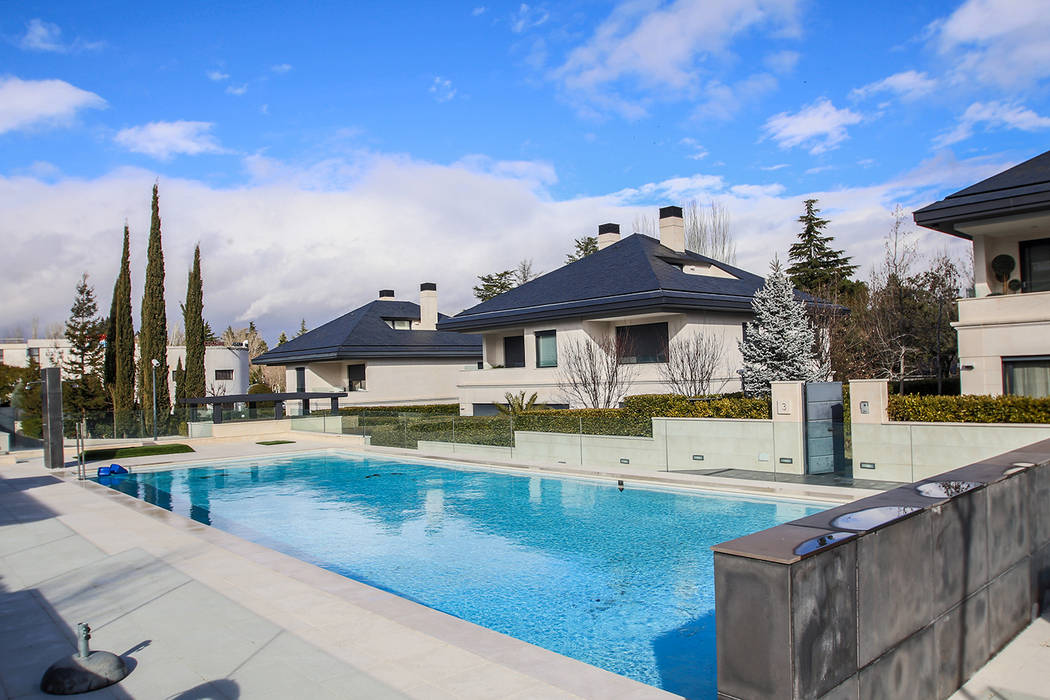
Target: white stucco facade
pixel 1001 329
pixel 387 382
pixel 483 387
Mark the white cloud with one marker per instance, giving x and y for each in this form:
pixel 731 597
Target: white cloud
pixel 281 68
pixel 25 103
pixel 819 169
pixel 480 10
pixel 782 61
pixel 662 49
pixel 327 250
pixel 165 139
pixel 442 89
pixel 217 75
pixel 237 90
pixel 45 36
pixel 818 126
pixel 778 166
pixel 998 42
pixel 908 85
pixel 527 17
pixel 698 152
pixel 722 102
pixel 993 115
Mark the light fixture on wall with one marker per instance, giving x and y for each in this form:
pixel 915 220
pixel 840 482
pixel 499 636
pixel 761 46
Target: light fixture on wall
pixel 966 368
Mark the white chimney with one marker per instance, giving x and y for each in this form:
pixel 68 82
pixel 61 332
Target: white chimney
pixel 607 235
pixel 428 307
pixel 672 228
pixel 386 294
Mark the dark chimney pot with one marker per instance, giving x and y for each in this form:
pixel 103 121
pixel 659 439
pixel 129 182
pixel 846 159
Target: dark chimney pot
pixel 428 287
pixel 666 212
pixel 608 228
pixel 386 293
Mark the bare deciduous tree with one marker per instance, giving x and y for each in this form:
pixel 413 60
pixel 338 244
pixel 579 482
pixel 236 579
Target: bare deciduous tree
pixel 592 372
pixel 692 363
pixel 707 230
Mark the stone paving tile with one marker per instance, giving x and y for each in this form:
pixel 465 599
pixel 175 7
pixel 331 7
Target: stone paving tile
pixel 50 559
pixel 23 536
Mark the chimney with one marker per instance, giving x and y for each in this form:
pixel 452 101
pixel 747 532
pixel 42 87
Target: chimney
pixel 428 307
pixel 387 294
pixel 607 235
pixel 672 228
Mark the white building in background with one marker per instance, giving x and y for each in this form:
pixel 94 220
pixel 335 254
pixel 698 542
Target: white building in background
pixel 385 353
pixel 636 296
pixel 1004 328
pixel 226 368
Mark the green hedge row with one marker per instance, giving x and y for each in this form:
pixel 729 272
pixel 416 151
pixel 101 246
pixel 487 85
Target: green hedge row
pixel 430 409
pixel 969 409
pixel 591 421
pixel 408 431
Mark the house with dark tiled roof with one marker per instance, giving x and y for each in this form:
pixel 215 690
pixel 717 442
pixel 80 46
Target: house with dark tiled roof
pixel 636 295
pixel 387 352
pixel 1004 327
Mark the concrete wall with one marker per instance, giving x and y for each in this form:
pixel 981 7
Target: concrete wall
pixel 907 608
pixel 387 381
pixel 903 451
pixel 490 385
pixel 677 443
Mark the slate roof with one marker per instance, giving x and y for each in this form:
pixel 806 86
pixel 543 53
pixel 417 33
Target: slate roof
pixel 635 275
pixel 363 334
pixel 1021 189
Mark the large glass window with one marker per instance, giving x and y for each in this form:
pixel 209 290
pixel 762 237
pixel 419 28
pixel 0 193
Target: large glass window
pixel 300 379
pixel 546 349
pixel 1027 376
pixel 641 344
pixel 514 351
pixel 355 377
pixel 223 375
pixel 1035 265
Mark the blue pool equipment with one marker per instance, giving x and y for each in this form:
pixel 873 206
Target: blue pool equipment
pixel 117 469
pixel 103 471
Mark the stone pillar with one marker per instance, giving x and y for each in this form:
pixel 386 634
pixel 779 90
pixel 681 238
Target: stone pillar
pixel 868 400
pixel 306 407
pixel 278 410
pixel 216 413
pixel 789 426
pixel 335 405
pixel 51 416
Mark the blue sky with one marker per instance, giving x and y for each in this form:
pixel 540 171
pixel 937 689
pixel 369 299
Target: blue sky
pixel 318 153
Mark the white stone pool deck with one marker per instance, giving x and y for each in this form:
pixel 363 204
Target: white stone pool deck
pixel 205 614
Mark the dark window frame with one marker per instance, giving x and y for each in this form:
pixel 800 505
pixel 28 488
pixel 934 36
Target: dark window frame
pixel 300 379
pixel 631 339
pixel 513 339
pixel 1013 360
pixel 224 378
pixel 1026 265
pixel 356 384
pixel 546 334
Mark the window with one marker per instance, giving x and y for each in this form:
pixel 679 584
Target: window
pixel 399 324
pixel 355 377
pixel 33 354
pixel 642 344
pixel 546 349
pixel 1026 376
pixel 1 357
pixel 1035 265
pixel 300 379
pixel 514 351
pixel 223 375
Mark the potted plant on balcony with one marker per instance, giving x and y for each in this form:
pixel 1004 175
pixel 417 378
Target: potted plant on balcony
pixel 1002 266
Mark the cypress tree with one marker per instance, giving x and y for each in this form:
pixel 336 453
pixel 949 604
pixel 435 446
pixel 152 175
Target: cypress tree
pixel 123 339
pixel 778 344
pixel 153 333
pixel 195 383
pixel 815 265
pixel 179 411
pixel 109 364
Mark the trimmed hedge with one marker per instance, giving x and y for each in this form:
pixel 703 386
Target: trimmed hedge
pixel 394 431
pixel 430 409
pixel 592 421
pixel 968 409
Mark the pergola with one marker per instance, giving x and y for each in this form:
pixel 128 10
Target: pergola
pixel 253 399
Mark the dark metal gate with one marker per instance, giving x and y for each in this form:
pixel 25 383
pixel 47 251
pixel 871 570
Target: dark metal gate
pixel 825 438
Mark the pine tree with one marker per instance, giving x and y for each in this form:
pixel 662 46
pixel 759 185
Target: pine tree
pixel 30 402
pixel 778 344
pixel 495 284
pixel 815 265
pixel 83 367
pixel 195 384
pixel 282 339
pixel 584 247
pixel 302 328
pixel 109 363
pixel 153 335
pixel 209 334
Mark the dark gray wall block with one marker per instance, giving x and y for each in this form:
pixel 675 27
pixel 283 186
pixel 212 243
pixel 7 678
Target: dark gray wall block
pixel 1009 605
pixel 961 643
pixel 908 671
pixel 1007 523
pixel 960 548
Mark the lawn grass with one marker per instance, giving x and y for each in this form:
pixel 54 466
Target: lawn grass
pixel 107 453
pixel 275 442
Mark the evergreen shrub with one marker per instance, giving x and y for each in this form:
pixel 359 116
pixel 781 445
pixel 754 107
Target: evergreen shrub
pixel 968 409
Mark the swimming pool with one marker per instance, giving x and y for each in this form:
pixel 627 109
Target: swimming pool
pixel 622 580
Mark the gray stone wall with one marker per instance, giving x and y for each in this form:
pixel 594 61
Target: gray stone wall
pixel 906 605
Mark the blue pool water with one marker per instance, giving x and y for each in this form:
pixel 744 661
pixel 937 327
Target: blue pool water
pixel 621 580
